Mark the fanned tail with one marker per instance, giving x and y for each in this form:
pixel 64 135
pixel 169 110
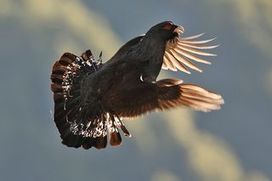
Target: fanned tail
pixel 81 124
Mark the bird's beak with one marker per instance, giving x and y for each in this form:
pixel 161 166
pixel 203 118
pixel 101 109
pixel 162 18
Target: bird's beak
pixel 179 30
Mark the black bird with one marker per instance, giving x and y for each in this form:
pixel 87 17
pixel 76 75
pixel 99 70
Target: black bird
pixel 92 98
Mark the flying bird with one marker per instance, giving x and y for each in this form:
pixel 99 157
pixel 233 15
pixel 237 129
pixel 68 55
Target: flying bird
pixel 92 98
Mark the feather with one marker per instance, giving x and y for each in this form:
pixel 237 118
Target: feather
pixel 181 44
pixel 185 54
pixel 181 53
pixel 164 66
pixel 185 61
pixel 191 87
pixel 193 37
pixel 177 63
pixel 195 51
pixel 115 138
pixel 100 142
pixel 201 97
pixel 189 95
pixel 197 42
pixel 169 64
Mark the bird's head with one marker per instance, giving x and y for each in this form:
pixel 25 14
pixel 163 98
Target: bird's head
pixel 166 30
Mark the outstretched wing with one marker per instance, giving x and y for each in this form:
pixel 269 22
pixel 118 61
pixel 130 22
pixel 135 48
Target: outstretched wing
pixel 181 53
pixel 164 94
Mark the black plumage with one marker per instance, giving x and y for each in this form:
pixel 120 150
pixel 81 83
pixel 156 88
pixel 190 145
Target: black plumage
pixel 92 98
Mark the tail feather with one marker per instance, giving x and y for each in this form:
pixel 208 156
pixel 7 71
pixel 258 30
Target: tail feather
pixel 88 143
pixel 115 139
pixel 81 124
pixel 101 142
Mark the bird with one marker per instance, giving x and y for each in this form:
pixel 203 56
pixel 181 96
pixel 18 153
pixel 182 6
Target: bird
pixel 92 98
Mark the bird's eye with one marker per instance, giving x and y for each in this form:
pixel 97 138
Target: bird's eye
pixel 167 26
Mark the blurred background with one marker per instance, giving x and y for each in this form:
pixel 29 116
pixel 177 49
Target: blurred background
pixel 233 144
